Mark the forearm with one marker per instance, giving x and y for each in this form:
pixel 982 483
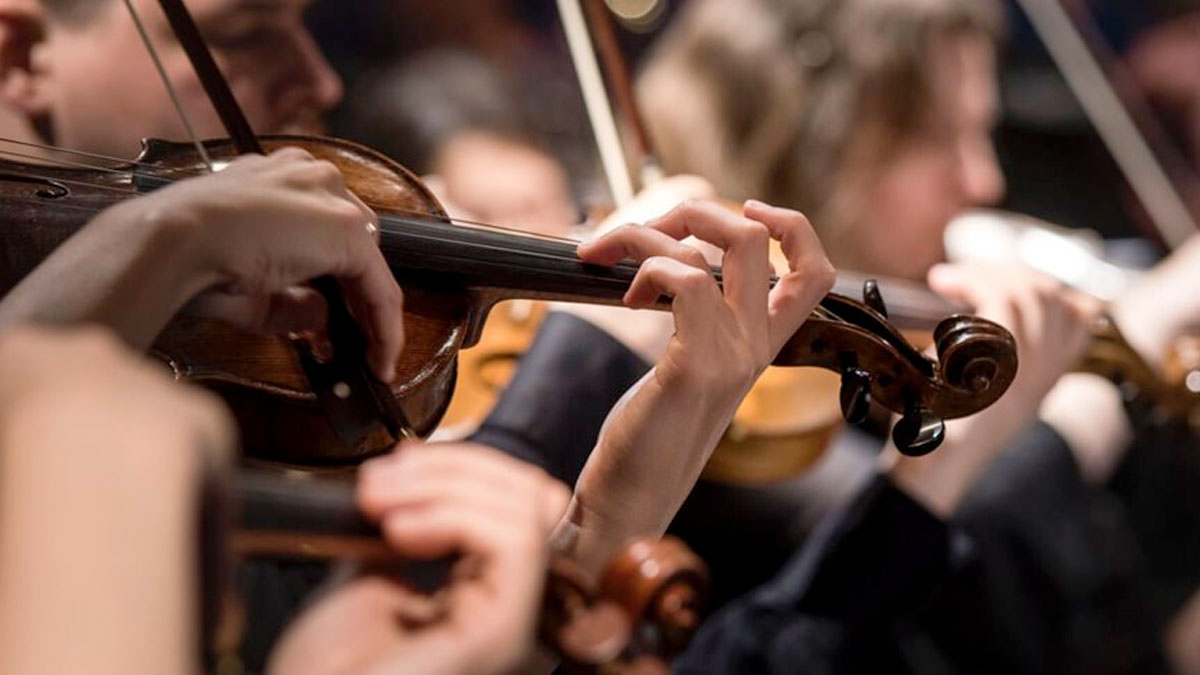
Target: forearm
pixel 1087 411
pixel 127 270
pixel 649 455
pixel 95 563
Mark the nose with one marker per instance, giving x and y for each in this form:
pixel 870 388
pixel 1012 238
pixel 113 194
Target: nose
pixel 982 178
pixel 324 86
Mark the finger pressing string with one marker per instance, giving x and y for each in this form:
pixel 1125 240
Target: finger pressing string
pixel 809 277
pixel 638 243
pixel 696 300
pixel 745 271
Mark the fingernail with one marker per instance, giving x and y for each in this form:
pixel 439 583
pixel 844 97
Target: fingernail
pixel 755 204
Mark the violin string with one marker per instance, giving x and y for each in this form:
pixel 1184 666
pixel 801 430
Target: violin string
pixel 78 153
pixel 384 219
pixel 170 86
pixel 71 180
pixel 163 177
pixel 410 214
pixel 159 176
pixel 818 311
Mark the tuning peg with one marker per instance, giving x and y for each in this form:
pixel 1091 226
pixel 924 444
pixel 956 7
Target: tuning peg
pixel 873 298
pixel 919 432
pixel 855 395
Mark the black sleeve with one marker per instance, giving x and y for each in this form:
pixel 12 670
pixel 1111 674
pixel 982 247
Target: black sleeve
pixel 552 411
pixel 1055 573
pixel 831 606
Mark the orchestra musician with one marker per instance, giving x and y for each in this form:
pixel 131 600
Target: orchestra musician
pixel 876 117
pixel 900 165
pixel 429 502
pixel 165 263
pixel 896 531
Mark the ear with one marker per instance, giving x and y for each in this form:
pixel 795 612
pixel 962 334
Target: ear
pixel 23 82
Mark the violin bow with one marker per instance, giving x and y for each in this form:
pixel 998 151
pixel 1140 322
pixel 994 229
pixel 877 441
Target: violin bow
pixel 595 99
pixel 649 170
pixel 352 397
pixel 1068 44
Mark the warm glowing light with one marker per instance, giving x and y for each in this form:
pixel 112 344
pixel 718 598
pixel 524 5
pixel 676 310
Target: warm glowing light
pixel 637 14
pixel 1193 382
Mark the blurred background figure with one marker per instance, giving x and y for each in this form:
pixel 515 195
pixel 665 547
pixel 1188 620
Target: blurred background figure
pixel 449 114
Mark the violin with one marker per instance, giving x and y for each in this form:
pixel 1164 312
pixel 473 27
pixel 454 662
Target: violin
pixel 637 615
pixel 452 275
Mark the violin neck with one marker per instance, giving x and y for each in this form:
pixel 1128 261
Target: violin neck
pixel 507 265
pixel 511 265
pixel 282 517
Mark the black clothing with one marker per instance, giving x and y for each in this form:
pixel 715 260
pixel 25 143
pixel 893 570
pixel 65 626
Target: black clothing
pixel 551 412
pixel 832 608
pixel 1026 579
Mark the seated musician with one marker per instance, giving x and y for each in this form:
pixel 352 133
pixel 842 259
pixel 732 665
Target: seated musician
pixel 876 116
pixel 887 169
pixel 428 502
pixel 102 463
pixel 126 43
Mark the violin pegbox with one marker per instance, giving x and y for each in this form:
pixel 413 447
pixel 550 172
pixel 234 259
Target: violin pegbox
pixel 976 362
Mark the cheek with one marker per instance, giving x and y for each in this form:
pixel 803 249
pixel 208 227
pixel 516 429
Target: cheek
pixel 908 212
pixel 253 89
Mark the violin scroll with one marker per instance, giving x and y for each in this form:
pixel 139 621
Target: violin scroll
pixel 976 362
pixel 663 586
pixel 973 353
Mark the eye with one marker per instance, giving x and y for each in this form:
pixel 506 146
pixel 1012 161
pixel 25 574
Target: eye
pixel 239 38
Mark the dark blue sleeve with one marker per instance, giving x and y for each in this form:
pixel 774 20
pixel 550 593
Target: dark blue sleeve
pixel 552 411
pixel 830 608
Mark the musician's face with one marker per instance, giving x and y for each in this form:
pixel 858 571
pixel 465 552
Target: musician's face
pixel 948 166
pixel 106 94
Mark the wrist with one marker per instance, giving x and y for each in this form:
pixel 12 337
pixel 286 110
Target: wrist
pixel 184 243
pixel 1145 332
pixel 1087 411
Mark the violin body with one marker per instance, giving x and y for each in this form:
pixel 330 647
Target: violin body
pixel 279 418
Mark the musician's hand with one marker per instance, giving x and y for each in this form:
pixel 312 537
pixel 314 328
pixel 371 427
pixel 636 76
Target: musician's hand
pixel 660 436
pixel 1163 304
pixel 271 223
pixel 1051 327
pixel 645 333
pixel 101 457
pixel 243 239
pixel 494 511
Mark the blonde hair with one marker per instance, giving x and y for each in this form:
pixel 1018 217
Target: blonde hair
pixel 782 100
